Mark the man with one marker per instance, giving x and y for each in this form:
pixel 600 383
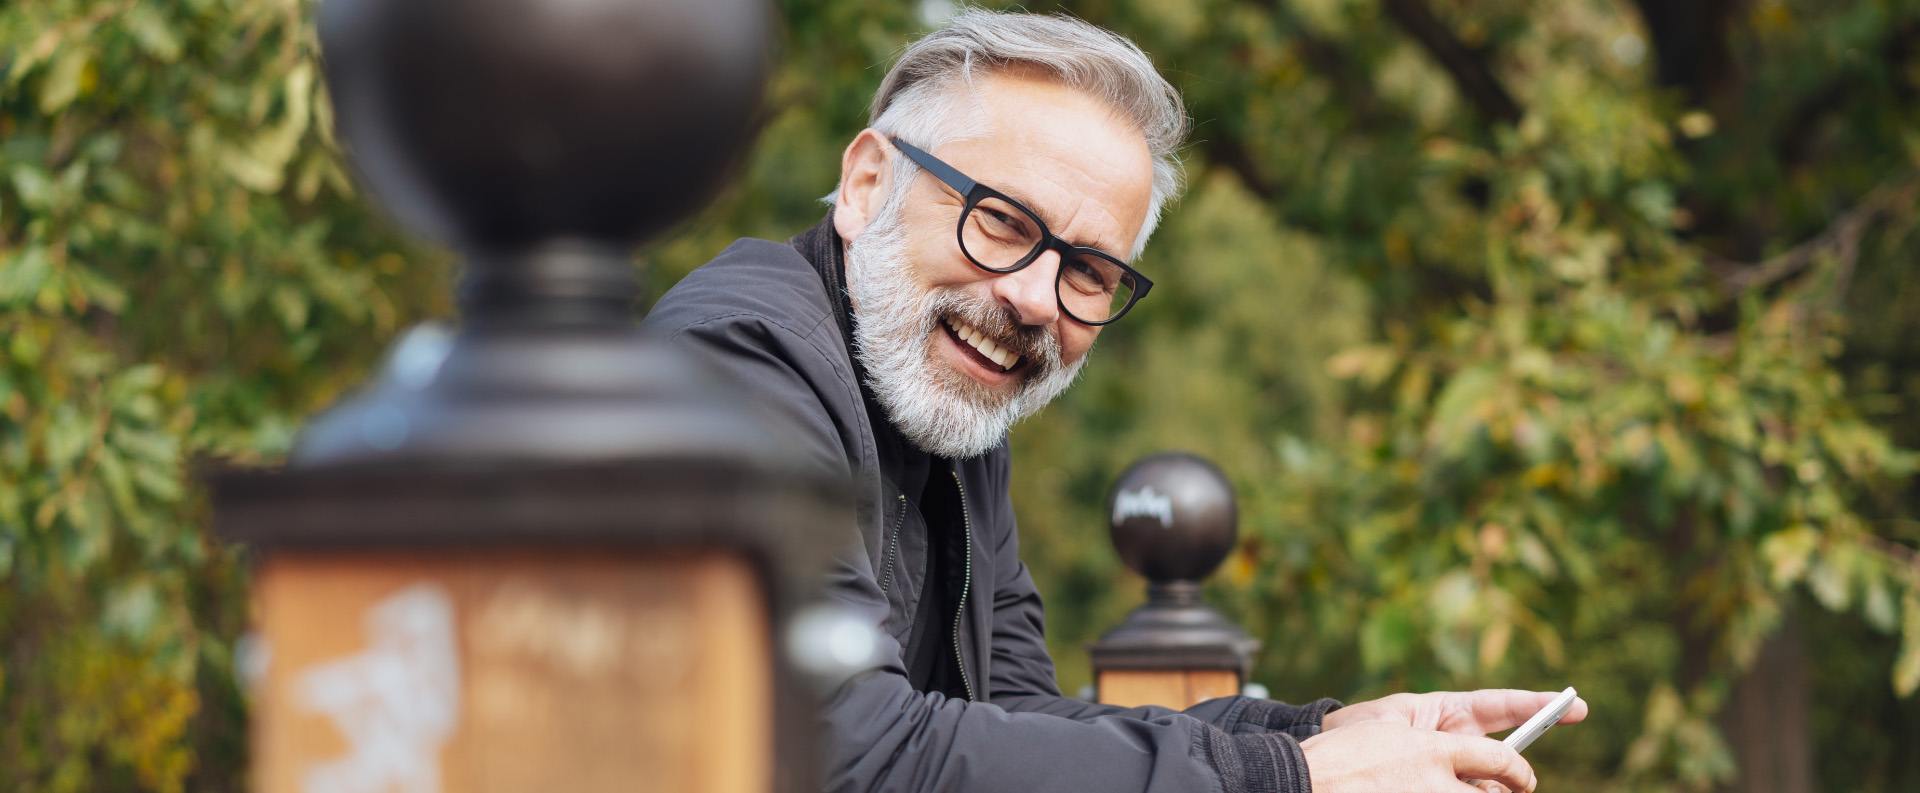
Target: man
pixel 978 242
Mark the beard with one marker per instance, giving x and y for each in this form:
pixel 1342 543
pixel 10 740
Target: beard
pixel 940 409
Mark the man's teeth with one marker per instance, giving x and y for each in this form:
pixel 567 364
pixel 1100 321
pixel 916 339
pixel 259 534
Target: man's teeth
pixel 986 346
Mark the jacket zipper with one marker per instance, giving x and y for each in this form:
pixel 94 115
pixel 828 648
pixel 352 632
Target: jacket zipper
pixel 966 586
pixel 893 545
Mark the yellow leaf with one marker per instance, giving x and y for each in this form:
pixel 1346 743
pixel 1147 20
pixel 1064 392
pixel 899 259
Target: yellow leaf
pixel 1493 644
pixel 1789 552
pixel 62 85
pixel 1369 363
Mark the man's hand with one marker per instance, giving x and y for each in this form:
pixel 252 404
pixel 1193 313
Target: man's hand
pixel 1385 756
pixel 1473 713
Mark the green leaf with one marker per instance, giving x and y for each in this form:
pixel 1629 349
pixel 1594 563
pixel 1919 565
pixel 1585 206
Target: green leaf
pixel 62 84
pixel 1906 668
pixel 262 164
pixel 163 484
pixel 132 609
pixel 152 32
pixel 22 278
pixel 87 537
pixel 149 445
pixel 1878 606
pixel 26 348
pixel 118 484
pixel 1457 411
pixel 68 436
pixel 134 381
pixel 97 289
pixel 291 306
pixel 1831 578
pixel 33 185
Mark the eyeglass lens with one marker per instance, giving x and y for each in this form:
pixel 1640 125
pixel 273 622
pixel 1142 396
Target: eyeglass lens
pixel 998 235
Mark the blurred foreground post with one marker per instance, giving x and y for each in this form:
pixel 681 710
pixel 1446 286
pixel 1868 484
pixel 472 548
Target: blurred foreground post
pixel 1174 520
pixel 538 552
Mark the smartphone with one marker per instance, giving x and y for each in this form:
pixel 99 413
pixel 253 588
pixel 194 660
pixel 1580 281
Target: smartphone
pixel 1537 726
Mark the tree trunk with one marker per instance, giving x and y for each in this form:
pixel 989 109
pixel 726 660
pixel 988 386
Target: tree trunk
pixel 1766 719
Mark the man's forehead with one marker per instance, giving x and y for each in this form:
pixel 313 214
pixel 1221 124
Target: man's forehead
pixel 1058 150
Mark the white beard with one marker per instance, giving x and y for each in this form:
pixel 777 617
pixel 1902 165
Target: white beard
pixel 943 411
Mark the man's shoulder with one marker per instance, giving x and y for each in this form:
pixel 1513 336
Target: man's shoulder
pixel 753 280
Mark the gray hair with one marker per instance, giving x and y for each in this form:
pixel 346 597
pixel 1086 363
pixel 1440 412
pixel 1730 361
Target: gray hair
pixel 916 100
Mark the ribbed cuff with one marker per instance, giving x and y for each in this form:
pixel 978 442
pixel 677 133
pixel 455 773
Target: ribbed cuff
pixel 1269 762
pixel 1300 721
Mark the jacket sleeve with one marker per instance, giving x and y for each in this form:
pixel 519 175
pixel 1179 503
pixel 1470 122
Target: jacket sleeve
pixel 1022 676
pixel 879 734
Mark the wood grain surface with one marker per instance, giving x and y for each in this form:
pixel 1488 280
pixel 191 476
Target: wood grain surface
pixel 512 671
pixel 1172 688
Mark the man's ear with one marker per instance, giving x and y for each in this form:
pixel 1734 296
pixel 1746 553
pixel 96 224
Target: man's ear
pixel 865 176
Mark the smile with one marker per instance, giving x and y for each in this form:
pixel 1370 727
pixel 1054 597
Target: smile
pixel 990 353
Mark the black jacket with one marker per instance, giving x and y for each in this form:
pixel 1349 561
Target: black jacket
pixel 774 316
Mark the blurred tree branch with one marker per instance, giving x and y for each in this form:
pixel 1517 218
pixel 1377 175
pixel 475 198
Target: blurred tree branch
pixel 1840 238
pixel 1472 74
pixel 1329 59
pixel 1231 153
pixel 1690 46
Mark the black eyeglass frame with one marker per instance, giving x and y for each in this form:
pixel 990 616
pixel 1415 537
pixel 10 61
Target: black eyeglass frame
pixel 973 192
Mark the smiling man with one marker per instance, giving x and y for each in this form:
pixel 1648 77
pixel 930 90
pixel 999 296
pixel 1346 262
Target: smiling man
pixel 981 238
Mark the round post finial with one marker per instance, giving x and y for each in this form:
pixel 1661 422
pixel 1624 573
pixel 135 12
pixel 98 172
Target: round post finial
pixel 1174 521
pixel 543 140
pixel 1173 518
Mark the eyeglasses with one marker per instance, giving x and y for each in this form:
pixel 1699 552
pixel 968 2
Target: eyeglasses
pixel 1001 235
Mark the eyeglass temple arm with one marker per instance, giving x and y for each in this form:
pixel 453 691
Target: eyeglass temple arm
pixel 940 170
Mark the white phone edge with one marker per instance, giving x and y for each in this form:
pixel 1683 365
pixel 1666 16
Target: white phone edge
pixel 1537 726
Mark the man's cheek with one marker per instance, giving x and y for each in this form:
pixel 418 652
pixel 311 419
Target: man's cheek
pixel 1076 342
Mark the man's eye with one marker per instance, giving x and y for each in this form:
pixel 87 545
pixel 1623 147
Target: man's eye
pixel 1087 276
pixel 1002 222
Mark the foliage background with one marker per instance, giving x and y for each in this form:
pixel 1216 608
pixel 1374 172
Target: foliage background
pixel 1545 342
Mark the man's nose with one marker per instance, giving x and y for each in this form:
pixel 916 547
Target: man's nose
pixel 1029 292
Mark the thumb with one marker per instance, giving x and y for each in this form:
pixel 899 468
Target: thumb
pixel 1484 758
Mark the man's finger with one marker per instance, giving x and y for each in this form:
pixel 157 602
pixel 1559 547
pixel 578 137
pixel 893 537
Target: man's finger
pixel 1490 760
pixel 1485 786
pixel 1497 709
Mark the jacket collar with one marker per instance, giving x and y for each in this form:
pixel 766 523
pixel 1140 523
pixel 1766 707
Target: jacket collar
pixel 823 248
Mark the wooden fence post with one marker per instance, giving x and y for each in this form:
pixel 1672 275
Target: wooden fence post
pixel 1173 521
pixel 539 552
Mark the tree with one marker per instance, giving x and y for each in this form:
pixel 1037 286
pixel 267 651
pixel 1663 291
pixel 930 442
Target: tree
pixel 1546 343
pixel 184 274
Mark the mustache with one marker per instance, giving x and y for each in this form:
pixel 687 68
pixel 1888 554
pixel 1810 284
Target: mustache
pixel 1033 342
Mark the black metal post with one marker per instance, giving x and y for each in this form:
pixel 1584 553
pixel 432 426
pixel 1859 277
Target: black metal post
pixel 480 500
pixel 1173 521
